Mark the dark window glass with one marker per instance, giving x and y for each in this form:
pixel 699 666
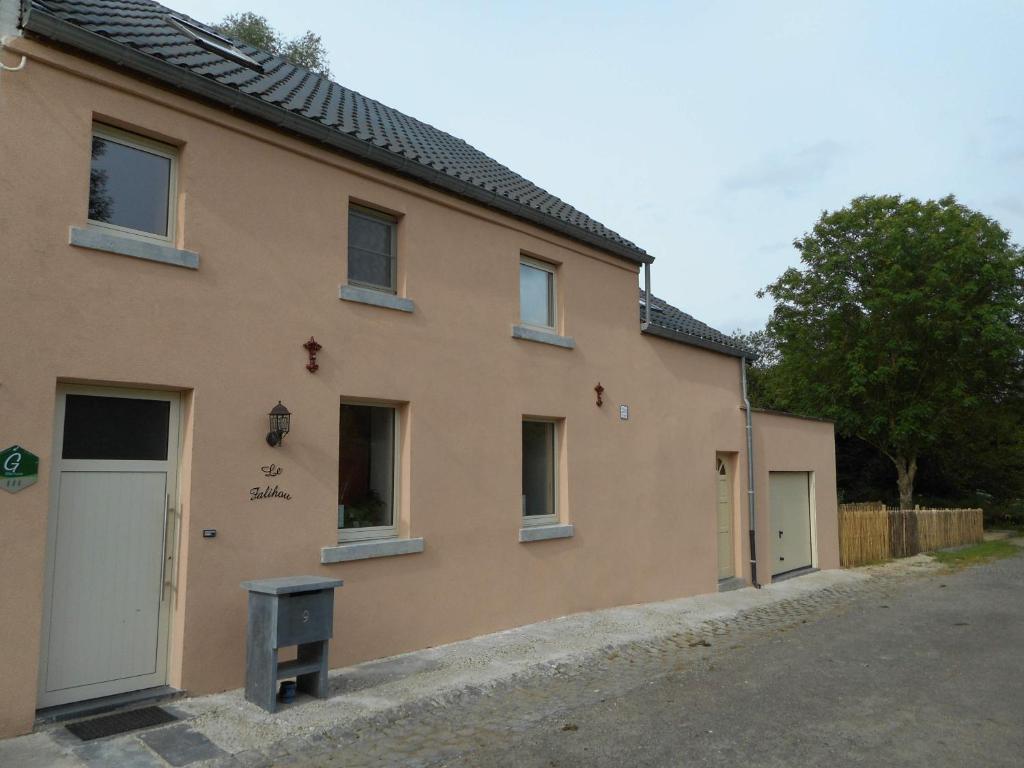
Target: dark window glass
pixel 371 250
pixel 129 187
pixel 538 468
pixel 366 466
pixel 118 428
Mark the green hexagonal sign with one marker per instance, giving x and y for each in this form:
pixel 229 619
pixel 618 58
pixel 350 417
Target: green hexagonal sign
pixel 18 469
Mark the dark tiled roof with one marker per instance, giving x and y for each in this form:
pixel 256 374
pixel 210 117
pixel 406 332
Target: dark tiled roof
pixel 672 323
pixel 328 111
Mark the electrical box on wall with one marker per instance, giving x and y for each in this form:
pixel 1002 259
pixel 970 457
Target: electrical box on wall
pixel 624 412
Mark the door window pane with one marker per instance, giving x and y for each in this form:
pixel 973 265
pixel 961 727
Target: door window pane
pixel 371 250
pixel 115 428
pixel 129 186
pixel 366 467
pixel 536 296
pixel 538 468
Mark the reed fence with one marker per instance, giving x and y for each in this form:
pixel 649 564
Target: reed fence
pixel 870 531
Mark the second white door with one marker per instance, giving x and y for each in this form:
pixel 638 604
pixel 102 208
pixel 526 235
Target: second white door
pixel 726 557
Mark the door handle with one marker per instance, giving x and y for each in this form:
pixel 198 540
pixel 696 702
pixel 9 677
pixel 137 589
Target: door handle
pixel 163 550
pixel 780 534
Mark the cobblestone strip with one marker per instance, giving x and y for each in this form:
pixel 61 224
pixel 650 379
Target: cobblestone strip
pixel 432 731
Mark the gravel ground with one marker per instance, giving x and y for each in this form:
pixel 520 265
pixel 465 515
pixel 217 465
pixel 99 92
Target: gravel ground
pixel 889 670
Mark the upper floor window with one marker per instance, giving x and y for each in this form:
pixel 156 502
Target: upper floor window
pixel 131 184
pixel 371 249
pixel 537 294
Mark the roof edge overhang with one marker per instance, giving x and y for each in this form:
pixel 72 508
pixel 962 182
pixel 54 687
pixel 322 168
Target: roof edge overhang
pixel 789 415
pixel 694 341
pixel 48 26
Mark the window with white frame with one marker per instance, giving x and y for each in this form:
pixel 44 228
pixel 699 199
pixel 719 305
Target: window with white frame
pixel 540 472
pixel 537 294
pixel 371 249
pixel 132 184
pixel 367 471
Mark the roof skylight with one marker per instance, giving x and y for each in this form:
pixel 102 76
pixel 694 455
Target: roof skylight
pixel 215 43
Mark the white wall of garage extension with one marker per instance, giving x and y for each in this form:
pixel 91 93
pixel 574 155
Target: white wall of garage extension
pixel 795 488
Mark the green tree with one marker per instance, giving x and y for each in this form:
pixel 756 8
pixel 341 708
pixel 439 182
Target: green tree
pixel 904 326
pixel 761 368
pixel 304 51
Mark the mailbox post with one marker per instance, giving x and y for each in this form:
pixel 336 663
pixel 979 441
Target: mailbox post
pixel 295 610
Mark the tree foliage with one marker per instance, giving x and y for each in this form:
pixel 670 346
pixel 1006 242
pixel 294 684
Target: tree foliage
pixel 307 50
pixel 760 369
pixel 904 326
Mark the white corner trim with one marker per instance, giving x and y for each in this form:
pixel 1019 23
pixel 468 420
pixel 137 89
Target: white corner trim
pixel 545 532
pixel 363 550
pixel 95 240
pixel 375 298
pixel 544 337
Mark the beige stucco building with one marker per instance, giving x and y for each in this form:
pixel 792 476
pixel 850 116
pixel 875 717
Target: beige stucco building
pixel 178 217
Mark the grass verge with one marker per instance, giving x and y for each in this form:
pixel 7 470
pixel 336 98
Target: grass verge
pixel 977 554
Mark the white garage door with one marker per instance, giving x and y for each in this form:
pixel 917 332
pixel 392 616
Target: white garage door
pixel 791 520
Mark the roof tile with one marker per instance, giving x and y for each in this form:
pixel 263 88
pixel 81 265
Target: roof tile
pixel 144 26
pixel 680 324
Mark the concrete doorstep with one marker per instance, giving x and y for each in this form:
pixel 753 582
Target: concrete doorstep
pixel 225 730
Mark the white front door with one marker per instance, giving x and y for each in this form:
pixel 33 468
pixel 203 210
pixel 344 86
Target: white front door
pixel 109 554
pixel 791 520
pixel 726 567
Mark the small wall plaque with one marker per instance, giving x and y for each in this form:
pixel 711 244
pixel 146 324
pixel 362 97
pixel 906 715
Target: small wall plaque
pixel 624 412
pixel 18 469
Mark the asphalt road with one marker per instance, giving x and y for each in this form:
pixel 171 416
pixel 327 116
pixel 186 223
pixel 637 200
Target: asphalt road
pixel 930 674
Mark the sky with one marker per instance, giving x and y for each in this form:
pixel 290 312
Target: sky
pixel 712 134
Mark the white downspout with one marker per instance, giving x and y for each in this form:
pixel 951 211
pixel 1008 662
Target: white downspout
pixel 10 17
pixel 751 498
pixel 647 294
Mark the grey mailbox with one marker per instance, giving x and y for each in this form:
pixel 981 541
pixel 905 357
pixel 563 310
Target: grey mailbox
pixel 294 610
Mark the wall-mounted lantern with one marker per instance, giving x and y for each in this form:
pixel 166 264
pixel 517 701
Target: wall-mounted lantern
pixel 280 423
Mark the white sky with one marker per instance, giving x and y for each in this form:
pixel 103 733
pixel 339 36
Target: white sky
pixel 710 133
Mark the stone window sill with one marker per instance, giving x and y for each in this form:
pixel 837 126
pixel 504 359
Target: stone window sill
pixel 364 550
pixel 543 337
pixel 98 240
pixel 544 532
pixel 375 298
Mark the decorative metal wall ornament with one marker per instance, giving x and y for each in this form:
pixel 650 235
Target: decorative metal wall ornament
pixel 312 348
pixel 280 424
pixel 600 391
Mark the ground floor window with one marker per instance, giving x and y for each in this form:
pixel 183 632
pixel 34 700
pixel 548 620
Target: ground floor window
pixel 366 471
pixel 540 475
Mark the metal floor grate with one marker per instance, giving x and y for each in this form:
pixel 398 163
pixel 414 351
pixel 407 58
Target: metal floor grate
pixel 121 722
